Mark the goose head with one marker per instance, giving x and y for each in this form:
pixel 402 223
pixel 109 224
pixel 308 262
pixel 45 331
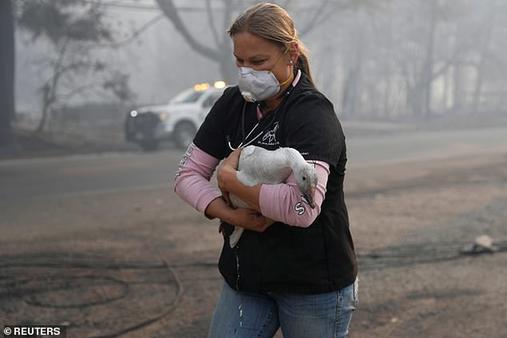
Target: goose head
pixel 306 180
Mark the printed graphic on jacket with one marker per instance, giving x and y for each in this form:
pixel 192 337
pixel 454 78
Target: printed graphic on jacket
pixel 269 138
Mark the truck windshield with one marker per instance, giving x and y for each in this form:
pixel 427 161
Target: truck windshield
pixel 188 96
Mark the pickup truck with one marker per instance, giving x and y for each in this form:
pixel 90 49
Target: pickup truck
pixel 178 120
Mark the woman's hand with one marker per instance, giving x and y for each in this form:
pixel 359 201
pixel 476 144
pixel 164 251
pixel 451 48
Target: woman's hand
pixel 243 217
pixel 226 171
pixel 250 219
pixel 233 159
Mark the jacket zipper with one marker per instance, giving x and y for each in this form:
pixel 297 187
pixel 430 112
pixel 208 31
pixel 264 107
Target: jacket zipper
pixel 236 251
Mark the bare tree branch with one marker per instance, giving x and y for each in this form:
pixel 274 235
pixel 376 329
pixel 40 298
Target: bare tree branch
pixel 313 21
pixel 136 33
pixel 171 12
pixel 227 14
pixel 50 87
pixel 78 90
pixel 61 69
pixel 211 22
pixel 449 63
pixel 286 4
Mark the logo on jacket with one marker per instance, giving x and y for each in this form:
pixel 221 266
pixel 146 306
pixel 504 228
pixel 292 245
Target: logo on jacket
pixel 269 138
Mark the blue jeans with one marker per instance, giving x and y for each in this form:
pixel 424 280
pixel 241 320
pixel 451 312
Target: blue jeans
pixel 247 315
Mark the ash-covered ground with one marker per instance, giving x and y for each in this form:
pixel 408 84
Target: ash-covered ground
pixel 139 262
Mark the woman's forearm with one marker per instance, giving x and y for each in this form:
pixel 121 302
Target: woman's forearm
pixel 218 208
pixel 242 217
pixel 192 179
pixel 285 202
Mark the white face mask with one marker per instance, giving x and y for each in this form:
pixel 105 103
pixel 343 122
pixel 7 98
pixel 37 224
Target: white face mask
pixel 257 85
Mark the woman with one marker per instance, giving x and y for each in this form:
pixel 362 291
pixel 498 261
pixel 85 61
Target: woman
pixel 294 266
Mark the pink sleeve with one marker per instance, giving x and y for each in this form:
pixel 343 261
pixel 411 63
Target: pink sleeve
pixel 284 203
pixel 192 179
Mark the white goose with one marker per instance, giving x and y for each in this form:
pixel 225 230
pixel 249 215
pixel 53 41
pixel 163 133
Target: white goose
pixel 260 166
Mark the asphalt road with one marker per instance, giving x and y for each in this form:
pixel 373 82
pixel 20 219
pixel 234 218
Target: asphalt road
pixel 22 179
pixel 62 218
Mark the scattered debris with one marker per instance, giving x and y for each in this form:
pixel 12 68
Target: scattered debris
pixel 482 245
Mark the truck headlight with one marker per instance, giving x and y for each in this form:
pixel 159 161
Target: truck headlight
pixel 163 115
pixel 133 113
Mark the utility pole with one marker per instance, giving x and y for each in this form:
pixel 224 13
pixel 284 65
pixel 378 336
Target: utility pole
pixel 6 72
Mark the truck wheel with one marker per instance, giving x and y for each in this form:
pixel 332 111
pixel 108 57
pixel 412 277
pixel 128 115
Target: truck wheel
pixel 149 145
pixel 184 133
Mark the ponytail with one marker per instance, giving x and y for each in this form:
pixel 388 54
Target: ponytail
pixel 303 63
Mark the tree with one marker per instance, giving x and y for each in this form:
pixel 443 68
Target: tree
pixel 73 27
pixel 221 53
pixel 7 105
pixel 424 51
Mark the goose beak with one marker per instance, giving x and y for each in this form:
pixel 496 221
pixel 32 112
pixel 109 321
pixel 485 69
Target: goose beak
pixel 309 199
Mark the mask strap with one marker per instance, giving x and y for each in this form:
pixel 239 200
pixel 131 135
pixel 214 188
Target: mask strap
pixel 285 82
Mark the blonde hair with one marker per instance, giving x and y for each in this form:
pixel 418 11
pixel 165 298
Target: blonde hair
pixel 273 23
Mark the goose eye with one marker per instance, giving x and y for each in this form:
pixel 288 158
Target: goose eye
pixel 304 178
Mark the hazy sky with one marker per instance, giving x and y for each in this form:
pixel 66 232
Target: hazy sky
pixel 375 60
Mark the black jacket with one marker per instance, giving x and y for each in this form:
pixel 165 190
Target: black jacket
pixel 286 258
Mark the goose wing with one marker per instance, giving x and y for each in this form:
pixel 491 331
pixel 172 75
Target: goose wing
pixel 258 165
